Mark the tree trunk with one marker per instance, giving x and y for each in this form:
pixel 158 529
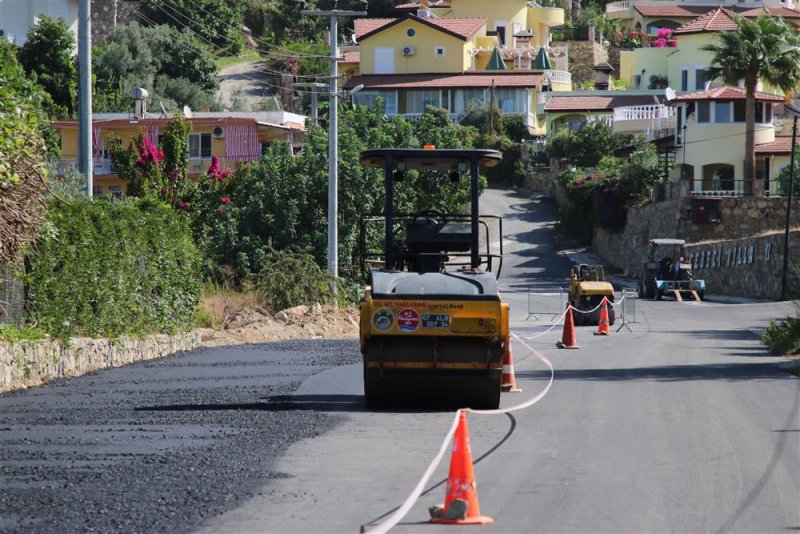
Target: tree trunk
pixel 576 10
pixel 756 189
pixel 567 9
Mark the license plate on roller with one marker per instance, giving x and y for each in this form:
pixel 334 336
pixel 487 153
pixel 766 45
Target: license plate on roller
pixel 435 321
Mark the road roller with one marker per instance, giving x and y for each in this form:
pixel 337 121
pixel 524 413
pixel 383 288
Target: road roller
pixel 433 328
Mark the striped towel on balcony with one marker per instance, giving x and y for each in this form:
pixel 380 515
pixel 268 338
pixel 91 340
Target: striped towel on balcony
pixel 241 144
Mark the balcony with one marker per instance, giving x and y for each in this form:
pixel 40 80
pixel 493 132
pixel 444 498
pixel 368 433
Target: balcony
pixel 560 76
pixel 618 7
pixel 195 166
pixel 655 120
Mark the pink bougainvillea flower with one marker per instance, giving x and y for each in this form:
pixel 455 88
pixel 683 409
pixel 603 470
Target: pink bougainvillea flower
pixel 225 200
pixel 220 210
pixel 660 43
pixel 183 205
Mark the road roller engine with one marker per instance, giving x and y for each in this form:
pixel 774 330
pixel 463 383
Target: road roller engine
pixel 433 328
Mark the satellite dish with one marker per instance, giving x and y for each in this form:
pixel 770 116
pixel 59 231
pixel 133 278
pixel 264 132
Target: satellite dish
pixel 670 94
pixel 187 112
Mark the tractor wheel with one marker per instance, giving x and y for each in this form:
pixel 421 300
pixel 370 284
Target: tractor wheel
pixel 374 397
pixel 701 294
pixel 611 315
pixel 578 316
pixel 659 294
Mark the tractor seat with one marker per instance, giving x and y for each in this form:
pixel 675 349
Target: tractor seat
pixel 427 237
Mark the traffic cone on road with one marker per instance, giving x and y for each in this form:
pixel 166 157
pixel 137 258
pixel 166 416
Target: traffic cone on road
pixel 461 501
pixel 508 384
pixel 602 326
pixel 568 337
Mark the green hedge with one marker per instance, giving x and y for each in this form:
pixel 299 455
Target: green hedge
pixel 107 268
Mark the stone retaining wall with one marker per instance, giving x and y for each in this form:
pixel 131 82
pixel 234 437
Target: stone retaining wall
pixel 33 363
pixel 730 263
pixel 583 55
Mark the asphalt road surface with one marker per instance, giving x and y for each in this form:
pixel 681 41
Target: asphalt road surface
pixel 679 422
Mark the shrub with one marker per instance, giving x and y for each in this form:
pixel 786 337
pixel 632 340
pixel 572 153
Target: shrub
pixel 292 278
pixel 783 337
pixel 103 268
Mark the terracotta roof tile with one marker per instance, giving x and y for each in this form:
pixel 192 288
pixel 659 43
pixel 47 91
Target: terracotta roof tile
pixel 784 12
pixel 781 145
pixel 726 92
pixel 596 103
pixel 351 57
pixel 462 27
pixel 655 10
pixel 465 80
pixel 719 20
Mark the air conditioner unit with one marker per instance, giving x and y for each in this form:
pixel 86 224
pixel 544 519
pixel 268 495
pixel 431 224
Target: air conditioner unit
pixel 219 132
pixel 409 51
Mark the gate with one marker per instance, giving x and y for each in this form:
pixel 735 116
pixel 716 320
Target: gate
pixel 548 301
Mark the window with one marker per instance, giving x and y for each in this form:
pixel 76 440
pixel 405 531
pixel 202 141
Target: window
pixel 759 112
pixel 438 51
pixel 700 78
pixel 722 112
pixel 739 111
pixel 510 100
pixel 768 117
pixel 417 101
pixel 467 97
pixel 500 28
pixel 411 32
pixel 370 100
pixel 115 191
pixel 684 80
pixel 517 26
pixel 200 145
pixel 97 190
pixel 703 112
pixel 384 60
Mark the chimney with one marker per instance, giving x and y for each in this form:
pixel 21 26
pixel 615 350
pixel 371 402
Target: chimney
pixel 140 102
pixel 602 76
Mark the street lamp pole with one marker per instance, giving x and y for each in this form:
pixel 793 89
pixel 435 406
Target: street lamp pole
pixel 789 208
pixel 333 134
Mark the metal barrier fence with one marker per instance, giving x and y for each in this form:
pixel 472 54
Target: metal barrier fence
pixel 548 301
pixel 12 297
pixel 627 313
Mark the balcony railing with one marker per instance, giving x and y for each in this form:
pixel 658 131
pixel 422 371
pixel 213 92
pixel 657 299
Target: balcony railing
pixel 559 76
pixel 638 113
pixel 617 7
pixel 103 167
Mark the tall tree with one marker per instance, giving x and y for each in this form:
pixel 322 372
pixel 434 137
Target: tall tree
pixel 48 54
pixel 765 49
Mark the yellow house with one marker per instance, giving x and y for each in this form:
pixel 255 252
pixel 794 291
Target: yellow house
pixel 234 137
pixel 710 141
pixel 682 68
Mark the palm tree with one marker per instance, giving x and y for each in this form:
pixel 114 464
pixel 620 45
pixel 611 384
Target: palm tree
pixel 765 49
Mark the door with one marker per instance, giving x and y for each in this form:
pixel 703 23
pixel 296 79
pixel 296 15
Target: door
pixel 384 60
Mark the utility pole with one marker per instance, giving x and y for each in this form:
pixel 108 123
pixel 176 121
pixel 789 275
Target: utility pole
pixel 85 93
pixel 333 133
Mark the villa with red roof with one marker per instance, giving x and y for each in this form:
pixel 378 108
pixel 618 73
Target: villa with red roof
pixel 458 58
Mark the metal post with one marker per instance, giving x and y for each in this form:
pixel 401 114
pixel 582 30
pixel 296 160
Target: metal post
pixel 314 107
pixel 85 92
pixel 789 210
pixel 333 167
pixel 388 167
pixel 474 185
pixel 333 154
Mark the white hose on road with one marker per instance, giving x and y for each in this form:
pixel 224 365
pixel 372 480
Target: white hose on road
pixel 400 513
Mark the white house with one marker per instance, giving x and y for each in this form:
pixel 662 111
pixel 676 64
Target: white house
pixel 18 16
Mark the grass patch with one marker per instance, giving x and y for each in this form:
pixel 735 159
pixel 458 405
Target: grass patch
pixel 220 302
pixel 247 55
pixel 12 334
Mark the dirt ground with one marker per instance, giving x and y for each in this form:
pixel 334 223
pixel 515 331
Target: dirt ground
pixel 248 325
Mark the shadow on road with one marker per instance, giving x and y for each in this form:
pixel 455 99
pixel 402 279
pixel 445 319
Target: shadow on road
pixel 672 373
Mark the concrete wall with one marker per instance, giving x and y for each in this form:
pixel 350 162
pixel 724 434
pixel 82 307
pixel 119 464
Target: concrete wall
pixel 30 364
pixel 750 232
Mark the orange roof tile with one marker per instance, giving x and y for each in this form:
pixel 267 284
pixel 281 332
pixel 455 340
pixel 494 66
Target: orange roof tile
pixel 597 103
pixel 726 92
pixel 351 57
pixel 460 80
pixel 461 27
pixel 781 145
pixel 784 12
pixel 719 20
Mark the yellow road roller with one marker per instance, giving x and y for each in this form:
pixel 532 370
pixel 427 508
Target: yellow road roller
pixel 433 327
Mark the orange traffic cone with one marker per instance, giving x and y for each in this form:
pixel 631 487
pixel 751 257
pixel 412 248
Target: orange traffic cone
pixel 508 383
pixel 568 337
pixel 602 326
pixel 461 502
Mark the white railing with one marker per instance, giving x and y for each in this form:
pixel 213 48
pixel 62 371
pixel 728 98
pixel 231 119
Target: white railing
pixel 607 119
pixel 414 117
pixel 616 7
pixel 643 113
pixel 658 133
pixel 559 76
